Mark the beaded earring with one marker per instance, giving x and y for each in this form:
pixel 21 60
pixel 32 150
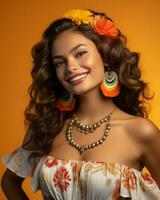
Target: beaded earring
pixel 66 103
pixel 110 85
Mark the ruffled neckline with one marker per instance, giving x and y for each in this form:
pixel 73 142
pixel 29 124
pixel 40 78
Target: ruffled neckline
pixel 129 180
pixel 90 161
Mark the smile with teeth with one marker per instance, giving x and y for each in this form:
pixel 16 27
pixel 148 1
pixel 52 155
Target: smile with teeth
pixel 78 78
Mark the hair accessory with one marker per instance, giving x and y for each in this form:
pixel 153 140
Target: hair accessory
pixel 110 85
pixel 82 148
pixel 99 23
pixel 65 103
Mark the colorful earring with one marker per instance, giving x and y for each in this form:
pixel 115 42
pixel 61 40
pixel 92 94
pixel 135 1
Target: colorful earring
pixel 66 103
pixel 110 85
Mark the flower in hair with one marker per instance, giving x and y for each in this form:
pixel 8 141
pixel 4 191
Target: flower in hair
pixel 79 16
pixel 99 23
pixel 105 27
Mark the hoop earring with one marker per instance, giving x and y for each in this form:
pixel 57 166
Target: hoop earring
pixel 110 85
pixel 66 103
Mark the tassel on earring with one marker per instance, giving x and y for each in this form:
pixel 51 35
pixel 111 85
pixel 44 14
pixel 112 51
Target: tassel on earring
pixel 110 85
pixel 65 103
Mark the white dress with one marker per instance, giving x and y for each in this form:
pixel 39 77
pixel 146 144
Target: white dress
pixel 61 179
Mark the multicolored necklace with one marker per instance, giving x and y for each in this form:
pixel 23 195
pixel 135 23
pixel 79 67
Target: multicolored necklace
pixel 84 128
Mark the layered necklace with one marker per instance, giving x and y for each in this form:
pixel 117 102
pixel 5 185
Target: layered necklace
pixel 86 129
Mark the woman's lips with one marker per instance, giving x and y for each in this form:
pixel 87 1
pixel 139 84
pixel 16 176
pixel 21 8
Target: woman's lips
pixel 78 79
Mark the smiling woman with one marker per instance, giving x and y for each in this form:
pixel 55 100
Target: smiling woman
pixel 79 66
pixel 81 53
pixel 87 98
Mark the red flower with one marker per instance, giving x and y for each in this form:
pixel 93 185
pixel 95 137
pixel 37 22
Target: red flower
pixel 50 162
pixel 105 27
pixel 147 180
pixel 62 178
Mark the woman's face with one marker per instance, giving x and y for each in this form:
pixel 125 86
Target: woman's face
pixel 79 66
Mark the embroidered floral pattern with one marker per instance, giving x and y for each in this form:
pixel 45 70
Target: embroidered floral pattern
pixel 129 179
pixel 88 167
pixel 88 179
pixel 108 182
pixel 51 162
pixel 62 178
pixel 111 168
pixel 147 181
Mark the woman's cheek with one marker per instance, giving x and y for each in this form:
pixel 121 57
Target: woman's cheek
pixel 59 73
pixel 88 60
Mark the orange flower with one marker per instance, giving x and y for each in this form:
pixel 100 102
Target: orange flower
pixel 104 27
pixel 129 179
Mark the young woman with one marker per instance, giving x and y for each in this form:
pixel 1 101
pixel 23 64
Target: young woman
pixel 88 136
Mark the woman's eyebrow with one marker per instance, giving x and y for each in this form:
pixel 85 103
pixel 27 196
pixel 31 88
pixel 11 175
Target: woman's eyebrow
pixel 73 49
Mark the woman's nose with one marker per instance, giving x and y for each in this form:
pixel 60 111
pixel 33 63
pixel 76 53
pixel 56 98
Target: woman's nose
pixel 72 65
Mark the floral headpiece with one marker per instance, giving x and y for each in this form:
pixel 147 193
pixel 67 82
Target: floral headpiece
pixel 99 23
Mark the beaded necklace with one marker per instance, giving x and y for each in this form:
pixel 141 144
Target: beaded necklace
pixel 87 128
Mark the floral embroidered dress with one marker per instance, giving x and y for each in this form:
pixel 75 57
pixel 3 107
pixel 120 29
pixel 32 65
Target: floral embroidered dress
pixel 61 179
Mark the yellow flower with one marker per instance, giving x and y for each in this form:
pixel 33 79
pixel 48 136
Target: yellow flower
pixel 79 16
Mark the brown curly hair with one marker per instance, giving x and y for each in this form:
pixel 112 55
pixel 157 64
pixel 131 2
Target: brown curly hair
pixel 43 120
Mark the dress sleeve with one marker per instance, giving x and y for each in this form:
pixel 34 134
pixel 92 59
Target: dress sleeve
pixel 18 162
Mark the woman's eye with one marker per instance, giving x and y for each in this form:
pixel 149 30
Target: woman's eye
pixel 80 53
pixel 58 64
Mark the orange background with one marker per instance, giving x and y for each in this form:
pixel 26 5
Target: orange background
pixel 22 23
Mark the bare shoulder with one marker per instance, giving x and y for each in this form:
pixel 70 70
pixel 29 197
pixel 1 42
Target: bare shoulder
pixel 148 135
pixel 143 129
pixel 139 127
pixel 148 128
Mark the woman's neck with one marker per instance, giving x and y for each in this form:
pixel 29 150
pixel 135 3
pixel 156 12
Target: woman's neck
pixel 94 106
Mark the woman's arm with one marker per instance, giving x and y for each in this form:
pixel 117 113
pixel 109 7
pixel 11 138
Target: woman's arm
pixel 151 149
pixel 12 186
pixel 18 161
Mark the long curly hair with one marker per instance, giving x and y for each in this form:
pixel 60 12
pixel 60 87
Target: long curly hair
pixel 42 119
